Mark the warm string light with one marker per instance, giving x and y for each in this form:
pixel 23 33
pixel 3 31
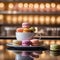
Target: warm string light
pixel 25 7
pixel 36 19
pixel 36 7
pixel 52 19
pixel 31 7
pixel 9 19
pixel 14 19
pixel 20 19
pixel 58 20
pixel 53 7
pixel 41 19
pixel 20 6
pixel 25 18
pixel 58 7
pixel 42 7
pixel 10 6
pixel 30 19
pixel 47 7
pixel 2 6
pixel 47 20
pixel 15 8
pixel 1 18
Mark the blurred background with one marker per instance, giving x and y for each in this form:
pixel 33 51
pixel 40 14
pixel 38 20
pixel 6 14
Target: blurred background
pixel 43 15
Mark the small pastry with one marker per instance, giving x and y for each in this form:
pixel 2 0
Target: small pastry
pixel 15 42
pixel 25 25
pixel 26 43
pixel 19 30
pixel 55 47
pixel 26 30
pixel 35 42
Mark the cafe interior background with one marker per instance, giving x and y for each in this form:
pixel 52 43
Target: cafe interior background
pixel 43 15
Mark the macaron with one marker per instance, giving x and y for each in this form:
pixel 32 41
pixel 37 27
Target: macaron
pixel 34 42
pixel 26 43
pixel 16 42
pixel 19 30
pixel 55 47
pixel 26 30
pixel 25 25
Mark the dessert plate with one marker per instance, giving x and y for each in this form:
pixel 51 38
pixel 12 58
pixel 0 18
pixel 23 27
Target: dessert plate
pixel 10 46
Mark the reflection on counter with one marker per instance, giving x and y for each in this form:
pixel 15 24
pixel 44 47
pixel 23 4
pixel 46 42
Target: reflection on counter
pixel 54 53
pixel 10 55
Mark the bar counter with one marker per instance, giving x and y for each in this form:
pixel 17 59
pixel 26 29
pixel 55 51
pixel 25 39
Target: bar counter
pixel 43 55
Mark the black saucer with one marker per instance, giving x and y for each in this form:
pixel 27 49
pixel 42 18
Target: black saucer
pixel 26 48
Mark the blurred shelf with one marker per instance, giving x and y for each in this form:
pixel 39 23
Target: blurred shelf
pixel 29 0
pixel 48 37
pixel 5 24
pixel 36 37
pixel 7 37
pixel 29 13
pixel 34 25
